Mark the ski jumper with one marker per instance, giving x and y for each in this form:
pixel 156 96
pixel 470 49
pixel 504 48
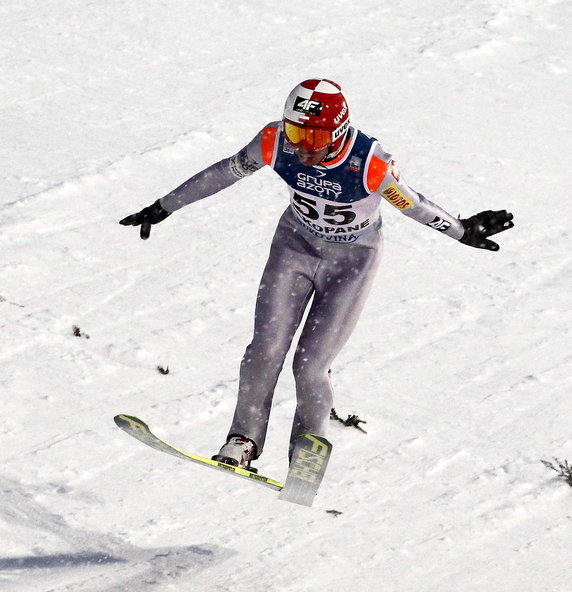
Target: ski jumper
pixel 323 259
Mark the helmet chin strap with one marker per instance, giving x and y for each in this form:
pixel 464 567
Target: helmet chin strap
pixel 332 155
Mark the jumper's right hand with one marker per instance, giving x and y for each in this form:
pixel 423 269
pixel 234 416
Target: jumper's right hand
pixel 152 214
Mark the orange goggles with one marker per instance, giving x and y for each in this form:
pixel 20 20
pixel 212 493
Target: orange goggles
pixel 311 137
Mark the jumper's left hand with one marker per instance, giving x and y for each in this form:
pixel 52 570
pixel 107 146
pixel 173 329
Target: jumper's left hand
pixel 484 224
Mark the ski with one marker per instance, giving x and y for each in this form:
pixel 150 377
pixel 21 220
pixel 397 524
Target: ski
pixel 307 469
pixel 140 430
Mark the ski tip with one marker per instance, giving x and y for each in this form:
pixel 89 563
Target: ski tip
pixel 122 420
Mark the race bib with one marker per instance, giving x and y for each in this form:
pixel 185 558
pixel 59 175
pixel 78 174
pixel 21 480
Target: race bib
pixel 335 221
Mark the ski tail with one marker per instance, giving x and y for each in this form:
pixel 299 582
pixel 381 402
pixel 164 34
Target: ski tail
pixel 307 468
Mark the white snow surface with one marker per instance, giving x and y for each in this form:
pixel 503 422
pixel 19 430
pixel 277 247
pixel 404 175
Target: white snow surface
pixel 461 364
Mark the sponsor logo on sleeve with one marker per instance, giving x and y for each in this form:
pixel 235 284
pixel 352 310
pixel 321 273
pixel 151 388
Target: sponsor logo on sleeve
pixel 242 166
pixel 396 198
pixel 439 224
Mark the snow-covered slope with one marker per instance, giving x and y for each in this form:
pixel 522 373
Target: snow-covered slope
pixel 461 365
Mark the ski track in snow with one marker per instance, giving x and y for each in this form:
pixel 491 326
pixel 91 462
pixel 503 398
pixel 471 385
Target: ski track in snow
pixel 102 561
pixel 461 365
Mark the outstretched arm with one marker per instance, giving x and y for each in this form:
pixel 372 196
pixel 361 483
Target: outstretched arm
pixel 473 231
pixel 207 182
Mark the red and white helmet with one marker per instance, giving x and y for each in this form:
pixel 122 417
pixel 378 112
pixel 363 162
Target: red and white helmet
pixel 316 115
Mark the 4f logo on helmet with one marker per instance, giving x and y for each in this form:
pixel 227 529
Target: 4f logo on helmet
pixel 308 106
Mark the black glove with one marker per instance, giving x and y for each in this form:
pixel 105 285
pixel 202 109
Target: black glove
pixel 484 224
pixel 152 214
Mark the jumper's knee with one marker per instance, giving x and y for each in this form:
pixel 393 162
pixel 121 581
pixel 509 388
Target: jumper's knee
pixel 312 380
